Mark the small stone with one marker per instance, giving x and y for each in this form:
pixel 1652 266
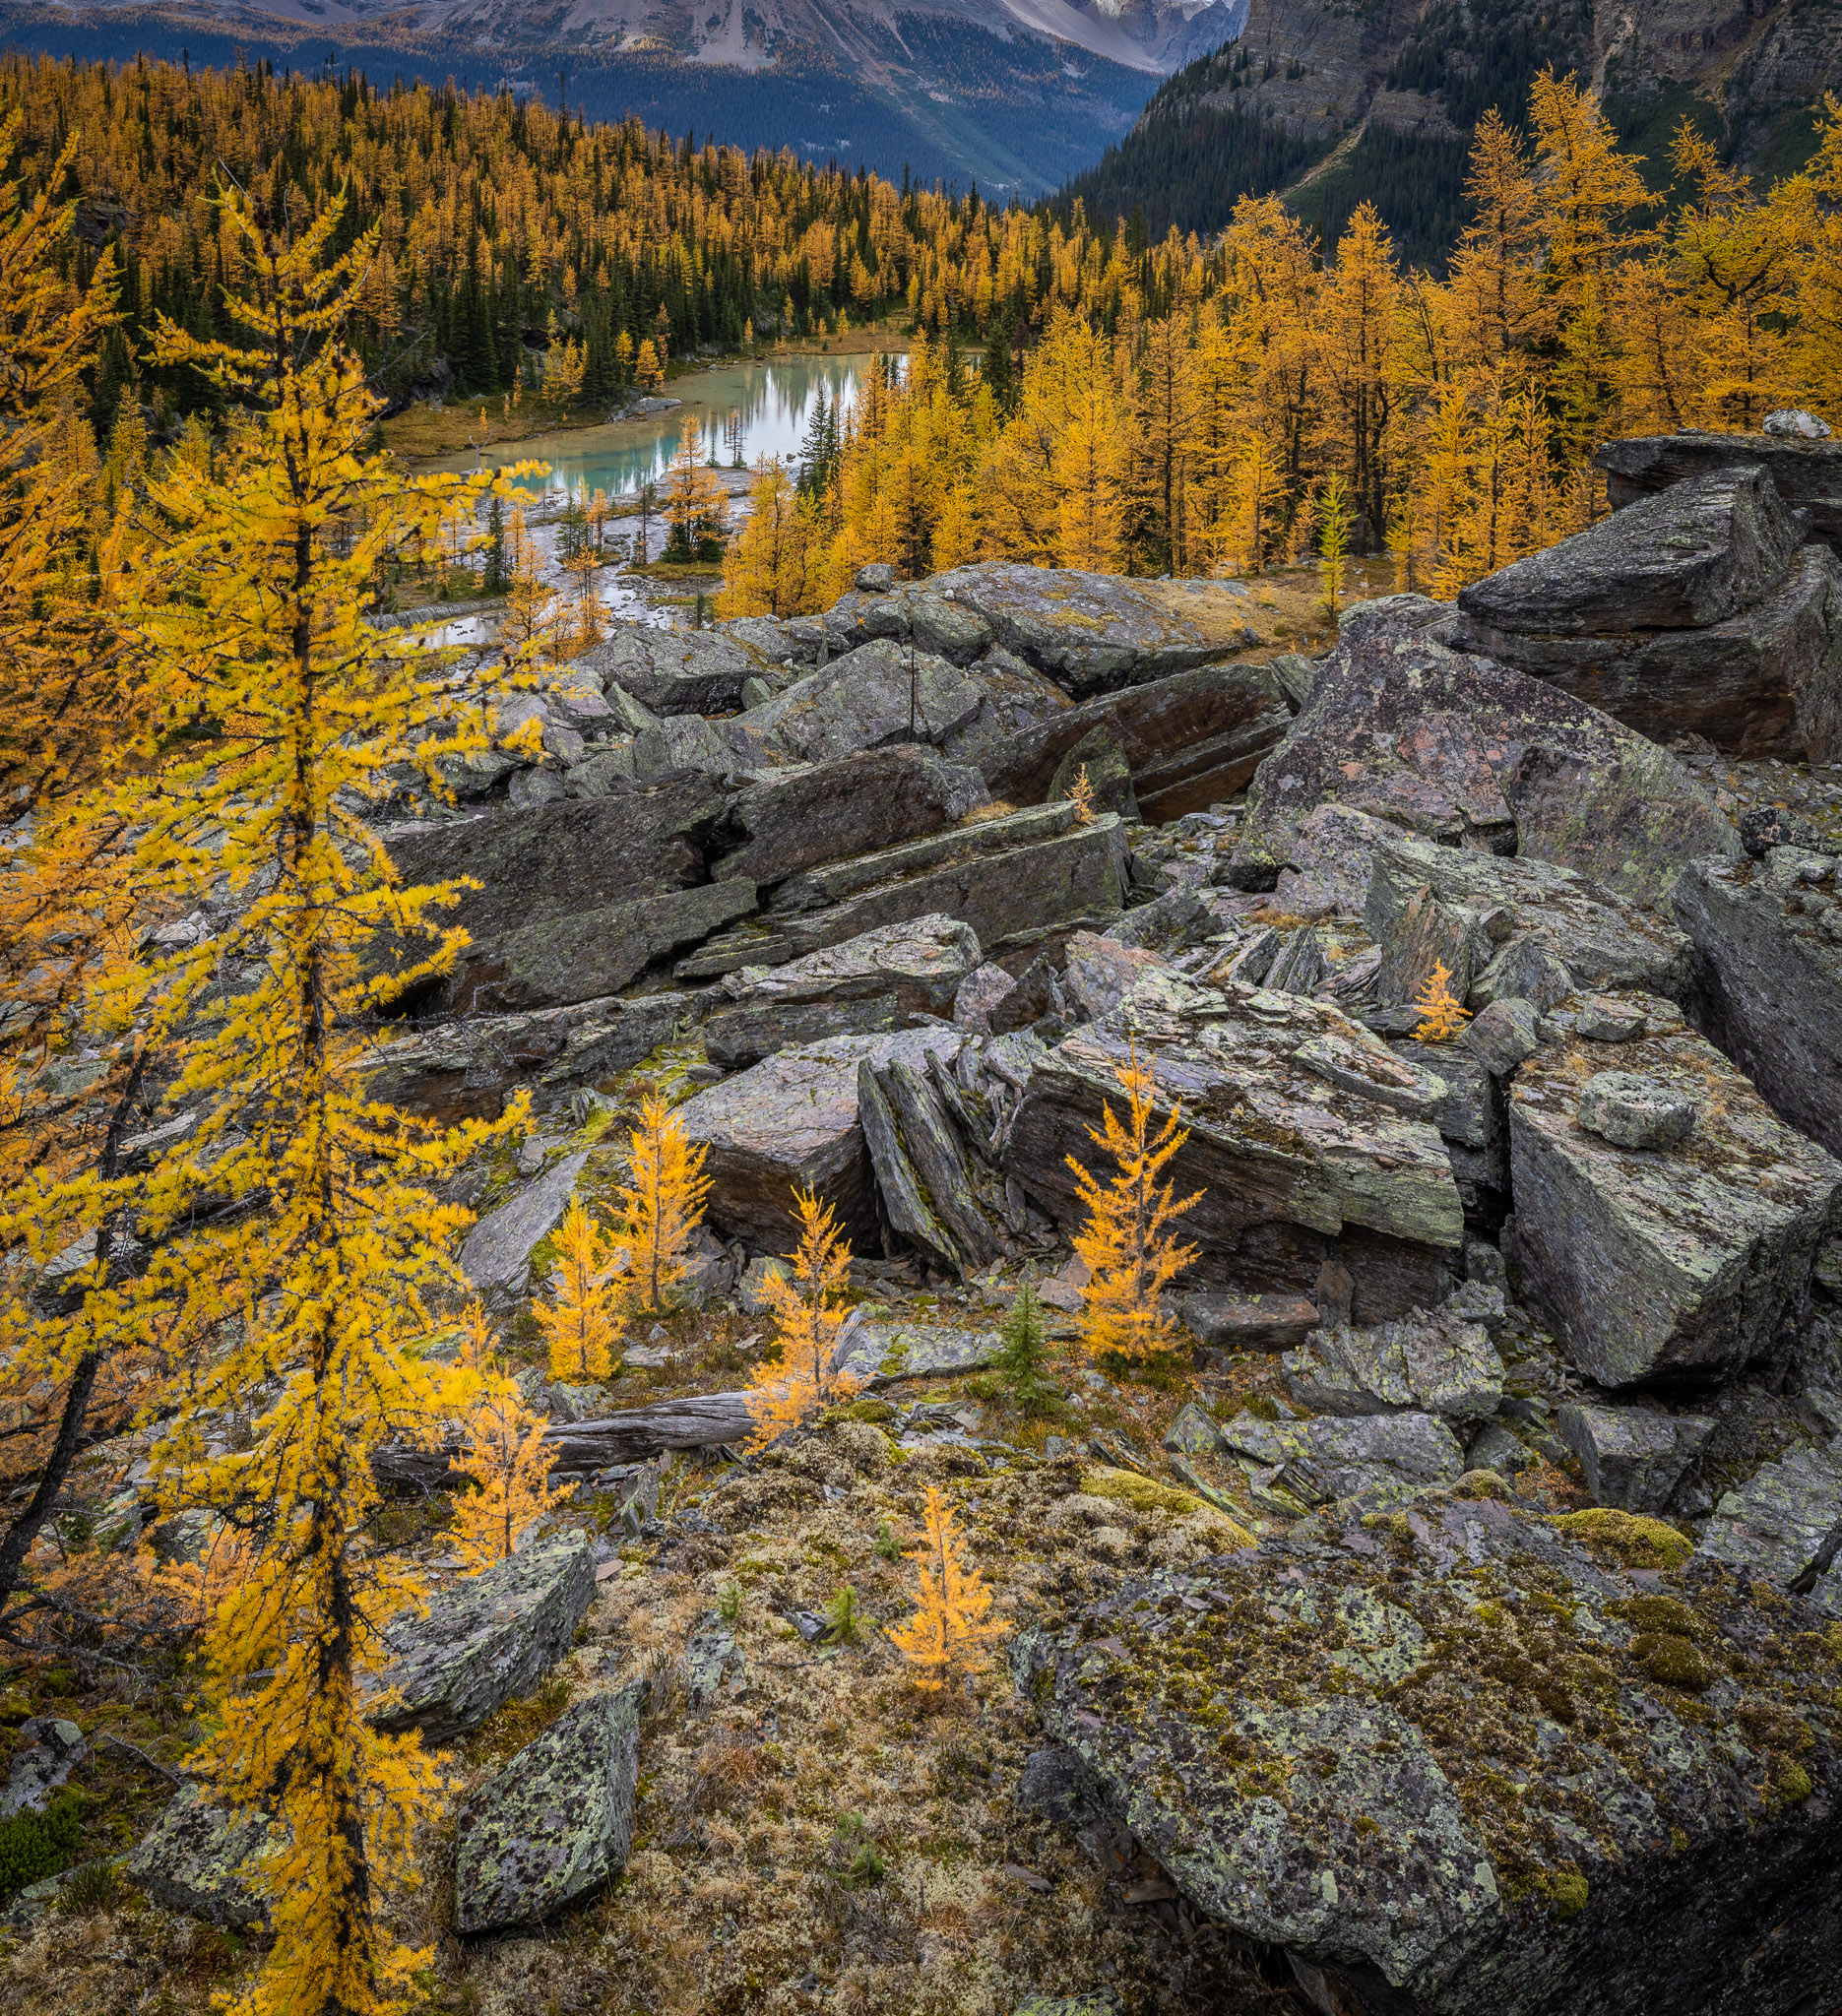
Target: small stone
pixel 1604 1020
pixel 1496 1449
pixel 876 578
pixel 1504 1035
pixel 1193 1432
pixel 1794 867
pixel 1793 423
pixel 1633 1111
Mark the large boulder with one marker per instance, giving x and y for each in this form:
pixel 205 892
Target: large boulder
pixel 556 1822
pixel 1766 682
pixel 1456 748
pixel 197 1857
pixel 672 672
pixel 871 696
pixel 1090 632
pixel 1635 1458
pixel 1683 1263
pixel 1359 1464
pixel 1784 1526
pixel 1436 1362
pixel 828 811
pixel 1690 556
pixel 485 1639
pixel 1467 1767
pixel 1306 1135
pixel 1768 976
pixel 790 1123
pixel 879 982
pixel 1807 474
pixel 495 1256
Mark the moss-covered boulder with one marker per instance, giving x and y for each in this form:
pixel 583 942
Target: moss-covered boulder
pixel 1469 1765
pixel 556 1822
pixel 197 1858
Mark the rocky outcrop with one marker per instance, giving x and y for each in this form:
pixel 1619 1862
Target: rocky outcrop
pixel 871 696
pixel 1440 1361
pixel 1807 474
pixel 672 672
pixel 1785 1526
pixel 1455 748
pixel 485 1639
pixel 1767 984
pixel 1307 1136
pixel 1686 1262
pixel 1633 1457
pixel 195 1859
pixel 555 1823
pixel 1378 1785
pixel 495 1256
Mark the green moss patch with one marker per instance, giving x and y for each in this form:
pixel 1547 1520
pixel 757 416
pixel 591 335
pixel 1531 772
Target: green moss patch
pixel 1625 1538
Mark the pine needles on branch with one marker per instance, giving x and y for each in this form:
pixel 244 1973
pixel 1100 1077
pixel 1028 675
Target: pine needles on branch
pixel 1022 1361
pixel 662 1203
pixel 1444 1013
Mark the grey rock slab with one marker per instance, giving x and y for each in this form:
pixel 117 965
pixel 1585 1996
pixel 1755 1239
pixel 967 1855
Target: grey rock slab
pixel 195 1860
pixel 939 1191
pixel 698 1420
pixel 1807 474
pixel 780 825
pixel 978 993
pixel 496 1253
pixel 1098 971
pixel 791 1121
pixel 1496 1448
pixel 1193 1432
pixel 1633 1457
pixel 1429 1361
pixel 869 697
pixel 865 985
pixel 1279 1732
pixel 51 1748
pixel 1766 682
pixel 1095 632
pixel 673 672
pixel 1683 559
pixel 1097 764
pixel 686 744
pixel 1287 1163
pixel 1275 1322
pixel 556 1822
pixel 1504 1035
pixel 1783 1523
pixel 885 1352
pixel 484 1638
pixel 1683 1262
pixel 1633 1111
pixel 1446 745
pixel 1767 988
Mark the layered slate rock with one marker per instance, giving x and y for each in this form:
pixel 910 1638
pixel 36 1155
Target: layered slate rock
pixel 1438 1361
pixel 819 812
pixel 1767 984
pixel 1366 1462
pixel 1633 1457
pixel 672 672
pixel 1455 748
pixel 1687 558
pixel 1093 632
pixel 485 1639
pixel 1766 682
pixel 792 1123
pixel 871 696
pixel 555 1823
pixel 1306 1134
pixel 496 1253
pixel 195 1860
pixel 1468 1768
pixel 864 987
pixel 1807 474
pixel 1685 1262
pixel 1785 1526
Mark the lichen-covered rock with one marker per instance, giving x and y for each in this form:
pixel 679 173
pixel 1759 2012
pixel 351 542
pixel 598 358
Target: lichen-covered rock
pixel 1633 1457
pixel 789 1122
pixel 556 1822
pixel 1784 1526
pixel 866 698
pixel 1686 1261
pixel 883 1352
pixel 1098 971
pixel 1687 557
pixel 1448 747
pixel 864 987
pixel 1767 984
pixel 1301 1136
pixel 672 672
pixel 195 1860
pixel 1807 474
pixel 51 1748
pixel 1633 1111
pixel 1467 1768
pixel 1438 1361
pixel 1371 1461
pixel 496 1253
pixel 485 1639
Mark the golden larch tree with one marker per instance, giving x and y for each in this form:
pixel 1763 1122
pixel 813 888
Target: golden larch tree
pixel 582 1321
pixel 662 1202
pixel 944 1639
pixel 806 1304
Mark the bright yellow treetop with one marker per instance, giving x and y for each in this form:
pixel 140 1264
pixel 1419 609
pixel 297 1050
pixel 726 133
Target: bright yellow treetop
pixel 806 1304
pixel 583 1322
pixel 662 1202
pixel 943 1640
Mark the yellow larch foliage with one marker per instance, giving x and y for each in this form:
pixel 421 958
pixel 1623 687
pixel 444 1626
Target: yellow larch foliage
pixel 1081 797
pixel 1443 1012
pixel 952 1622
pixel 583 1321
pixel 502 1454
pixel 1127 1244
pixel 662 1202
pixel 806 1306
pixel 310 1274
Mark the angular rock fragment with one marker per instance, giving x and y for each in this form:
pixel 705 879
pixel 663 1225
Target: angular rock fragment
pixel 1807 476
pixel 869 697
pixel 195 1860
pixel 496 1253
pixel 672 672
pixel 1632 1458
pixel 1633 1111
pixel 51 1748
pixel 1379 1459
pixel 939 1195
pixel 1767 986
pixel 1275 1322
pixel 1686 558
pixel 485 1639
pixel 1289 1164
pixel 885 1352
pixel 1440 1361
pixel 1504 1035
pixel 688 745
pixel 1785 1526
pixel 555 1823
pixel 864 987
pixel 789 1122
pixel 1098 971
pixel 1683 1262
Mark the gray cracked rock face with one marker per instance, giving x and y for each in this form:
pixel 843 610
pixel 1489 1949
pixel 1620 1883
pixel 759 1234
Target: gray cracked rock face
pixel 496 1253
pixel 1438 1361
pixel 1687 557
pixel 1687 1261
pixel 1633 1111
pixel 871 696
pixel 194 1859
pixel 556 1822
pixel 1785 1526
pixel 673 672
pixel 1807 476
pixel 485 1638
pixel 1633 1457
pixel 1317 1743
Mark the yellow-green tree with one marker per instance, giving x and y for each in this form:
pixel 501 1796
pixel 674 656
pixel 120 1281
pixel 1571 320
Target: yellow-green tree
pixel 502 1454
pixel 952 1624
pixel 662 1201
pixel 304 1287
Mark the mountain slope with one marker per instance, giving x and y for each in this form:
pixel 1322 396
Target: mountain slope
pixel 1342 100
